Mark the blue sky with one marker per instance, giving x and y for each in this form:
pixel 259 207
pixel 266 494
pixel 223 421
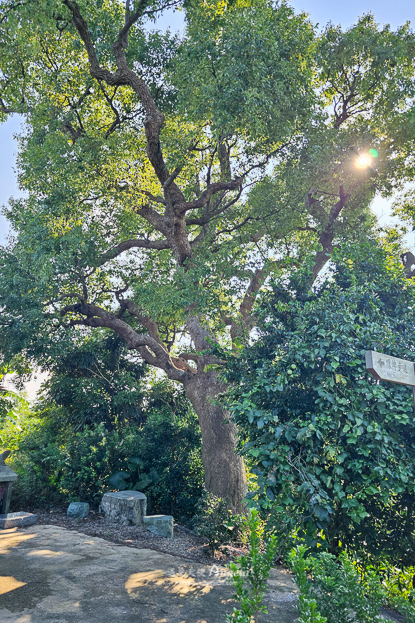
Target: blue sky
pixel 394 12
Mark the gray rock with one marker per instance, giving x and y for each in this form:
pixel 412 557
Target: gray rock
pixel 125 507
pixel 17 520
pixel 160 525
pixel 77 510
pixel 7 477
pixel 6 474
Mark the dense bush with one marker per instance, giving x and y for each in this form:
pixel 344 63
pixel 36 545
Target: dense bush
pixel 216 523
pixel 173 449
pixel 334 450
pixel 96 380
pixel 12 403
pixel 56 464
pixel 333 590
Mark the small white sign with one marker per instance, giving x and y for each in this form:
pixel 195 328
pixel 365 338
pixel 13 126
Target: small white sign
pixel 387 368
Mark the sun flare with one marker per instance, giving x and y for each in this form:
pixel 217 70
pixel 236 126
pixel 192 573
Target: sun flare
pixel 363 161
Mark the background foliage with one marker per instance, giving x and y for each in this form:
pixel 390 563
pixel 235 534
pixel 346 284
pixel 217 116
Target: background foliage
pixel 334 450
pixel 96 380
pixel 57 464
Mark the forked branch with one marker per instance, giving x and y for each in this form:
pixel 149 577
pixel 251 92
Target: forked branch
pixel 151 349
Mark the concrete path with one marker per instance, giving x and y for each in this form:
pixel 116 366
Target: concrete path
pixel 52 575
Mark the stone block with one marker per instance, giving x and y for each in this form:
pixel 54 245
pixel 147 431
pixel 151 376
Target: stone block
pixel 77 510
pixel 160 525
pixel 125 507
pixel 17 520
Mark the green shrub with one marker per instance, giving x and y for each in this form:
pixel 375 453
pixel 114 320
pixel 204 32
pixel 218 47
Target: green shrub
pixel 171 446
pixel 56 465
pixel 216 523
pixel 336 591
pixel 333 448
pixel 32 448
pixel 136 479
pixel 96 380
pixel 283 522
pixel 250 572
pixel 307 607
pixel 398 584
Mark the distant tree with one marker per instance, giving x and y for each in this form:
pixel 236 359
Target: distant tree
pixel 12 401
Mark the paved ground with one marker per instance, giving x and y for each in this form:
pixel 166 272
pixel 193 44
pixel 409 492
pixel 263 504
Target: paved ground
pixel 52 575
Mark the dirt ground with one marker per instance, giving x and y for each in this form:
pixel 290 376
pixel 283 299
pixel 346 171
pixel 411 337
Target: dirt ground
pixel 185 543
pixel 52 574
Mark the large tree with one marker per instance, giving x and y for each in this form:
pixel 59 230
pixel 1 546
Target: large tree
pixel 167 178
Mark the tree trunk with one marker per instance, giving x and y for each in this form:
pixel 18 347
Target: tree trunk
pixel 224 469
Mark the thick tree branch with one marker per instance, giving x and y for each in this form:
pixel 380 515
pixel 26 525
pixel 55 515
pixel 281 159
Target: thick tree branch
pixel 211 190
pixel 408 261
pixel 215 212
pixel 201 338
pixel 74 133
pixel 224 160
pixel 145 320
pixel 155 198
pixel 247 304
pixel 190 357
pixel 327 235
pixel 172 177
pixel 135 243
pixel 157 220
pixel 245 321
pixel 125 76
pixel 9 110
pixel 152 351
pixel 130 19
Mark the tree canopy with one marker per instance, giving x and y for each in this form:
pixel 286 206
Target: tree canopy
pixel 168 177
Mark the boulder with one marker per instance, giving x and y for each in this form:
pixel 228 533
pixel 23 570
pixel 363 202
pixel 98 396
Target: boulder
pixel 77 510
pixel 17 520
pixel 125 507
pixel 160 525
